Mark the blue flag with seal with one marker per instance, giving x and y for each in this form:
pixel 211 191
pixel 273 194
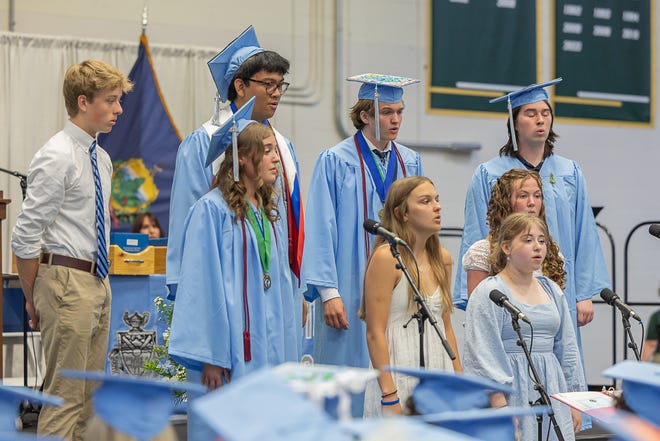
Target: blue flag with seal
pixel 142 146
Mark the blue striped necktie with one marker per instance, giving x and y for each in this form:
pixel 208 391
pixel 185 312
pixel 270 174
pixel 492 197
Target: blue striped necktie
pixel 102 250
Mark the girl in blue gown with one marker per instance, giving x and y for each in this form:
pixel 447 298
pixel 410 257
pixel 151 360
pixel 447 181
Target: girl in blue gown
pixel 491 348
pixel 235 305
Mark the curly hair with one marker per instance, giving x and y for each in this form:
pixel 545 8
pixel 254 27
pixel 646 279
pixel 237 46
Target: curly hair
pixel 507 149
pixel 499 208
pixel 511 227
pixel 396 205
pixel 251 146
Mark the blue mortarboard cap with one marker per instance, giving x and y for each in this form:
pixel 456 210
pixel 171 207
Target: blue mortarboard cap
pixel 25 436
pixel 261 406
pixel 484 423
pixel 439 391
pixel 12 396
pixel 224 65
pixel 227 135
pixel 527 95
pixel 380 87
pixel 389 87
pixel 137 406
pixel 400 429
pixel 640 386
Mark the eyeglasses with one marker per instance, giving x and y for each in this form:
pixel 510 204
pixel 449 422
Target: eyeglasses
pixel 271 86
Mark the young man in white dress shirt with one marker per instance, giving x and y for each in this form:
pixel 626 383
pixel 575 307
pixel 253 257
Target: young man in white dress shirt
pixel 60 241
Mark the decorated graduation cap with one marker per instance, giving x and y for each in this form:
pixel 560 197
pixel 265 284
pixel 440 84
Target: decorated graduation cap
pixel 640 386
pixel 224 65
pixel 484 423
pixel 136 406
pixel 10 399
pixel 439 391
pixel 401 429
pixel 381 88
pixel 261 406
pixel 228 133
pixel 527 95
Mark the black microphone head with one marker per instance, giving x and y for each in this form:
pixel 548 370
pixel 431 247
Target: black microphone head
pixel 654 229
pixel 371 226
pixel 608 295
pixel 497 296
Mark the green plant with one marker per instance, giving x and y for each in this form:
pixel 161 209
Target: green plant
pixel 161 363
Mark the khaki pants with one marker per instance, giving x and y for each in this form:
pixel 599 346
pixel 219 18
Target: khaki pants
pixel 74 313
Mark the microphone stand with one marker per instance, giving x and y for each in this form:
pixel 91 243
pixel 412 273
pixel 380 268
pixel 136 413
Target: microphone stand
pixel 424 313
pixel 631 344
pixel 544 399
pixel 23 181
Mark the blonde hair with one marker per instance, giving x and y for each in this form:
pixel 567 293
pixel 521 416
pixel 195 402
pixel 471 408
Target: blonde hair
pixel 396 206
pixel 251 146
pixel 88 78
pixel 499 208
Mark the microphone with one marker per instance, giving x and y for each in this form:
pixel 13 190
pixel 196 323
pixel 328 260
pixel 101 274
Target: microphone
pixel 502 301
pixel 614 300
pixel 654 229
pixel 375 228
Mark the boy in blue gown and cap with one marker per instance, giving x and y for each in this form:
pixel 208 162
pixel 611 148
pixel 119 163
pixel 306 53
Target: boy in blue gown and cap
pixel 234 308
pixel 567 209
pixel 241 71
pixel 349 185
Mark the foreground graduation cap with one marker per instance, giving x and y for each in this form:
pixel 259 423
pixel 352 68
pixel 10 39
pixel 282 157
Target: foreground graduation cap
pixel 640 386
pixel 628 427
pixel 380 87
pixel 224 65
pixel 400 429
pixel 527 95
pixel 486 424
pixel 257 407
pixel 10 399
pixel 439 391
pixel 137 406
pixel 228 133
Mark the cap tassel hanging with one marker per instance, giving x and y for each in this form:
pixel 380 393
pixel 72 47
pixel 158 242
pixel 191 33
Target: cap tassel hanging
pixel 512 128
pixel 376 113
pixel 234 143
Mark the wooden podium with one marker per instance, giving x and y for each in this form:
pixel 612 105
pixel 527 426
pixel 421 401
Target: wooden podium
pixel 3 216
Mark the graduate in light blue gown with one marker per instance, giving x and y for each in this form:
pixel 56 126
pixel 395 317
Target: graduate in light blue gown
pixel 349 185
pixel 491 350
pixel 567 209
pixel 240 71
pixel 235 303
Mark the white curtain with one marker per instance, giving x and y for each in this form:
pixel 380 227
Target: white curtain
pixel 32 109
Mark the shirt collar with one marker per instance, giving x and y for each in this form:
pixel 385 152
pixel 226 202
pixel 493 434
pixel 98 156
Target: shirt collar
pixel 78 134
pixel 528 165
pixel 388 147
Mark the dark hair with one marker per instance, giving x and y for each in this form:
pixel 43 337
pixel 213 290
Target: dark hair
pixel 507 149
pixel 139 220
pixel 269 61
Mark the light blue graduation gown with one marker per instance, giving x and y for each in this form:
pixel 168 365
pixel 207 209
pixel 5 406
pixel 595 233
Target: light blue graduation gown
pixel 569 217
pixel 192 179
pixel 207 324
pixel 334 254
pixel 491 351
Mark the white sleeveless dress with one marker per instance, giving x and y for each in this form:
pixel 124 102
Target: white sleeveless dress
pixel 403 345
